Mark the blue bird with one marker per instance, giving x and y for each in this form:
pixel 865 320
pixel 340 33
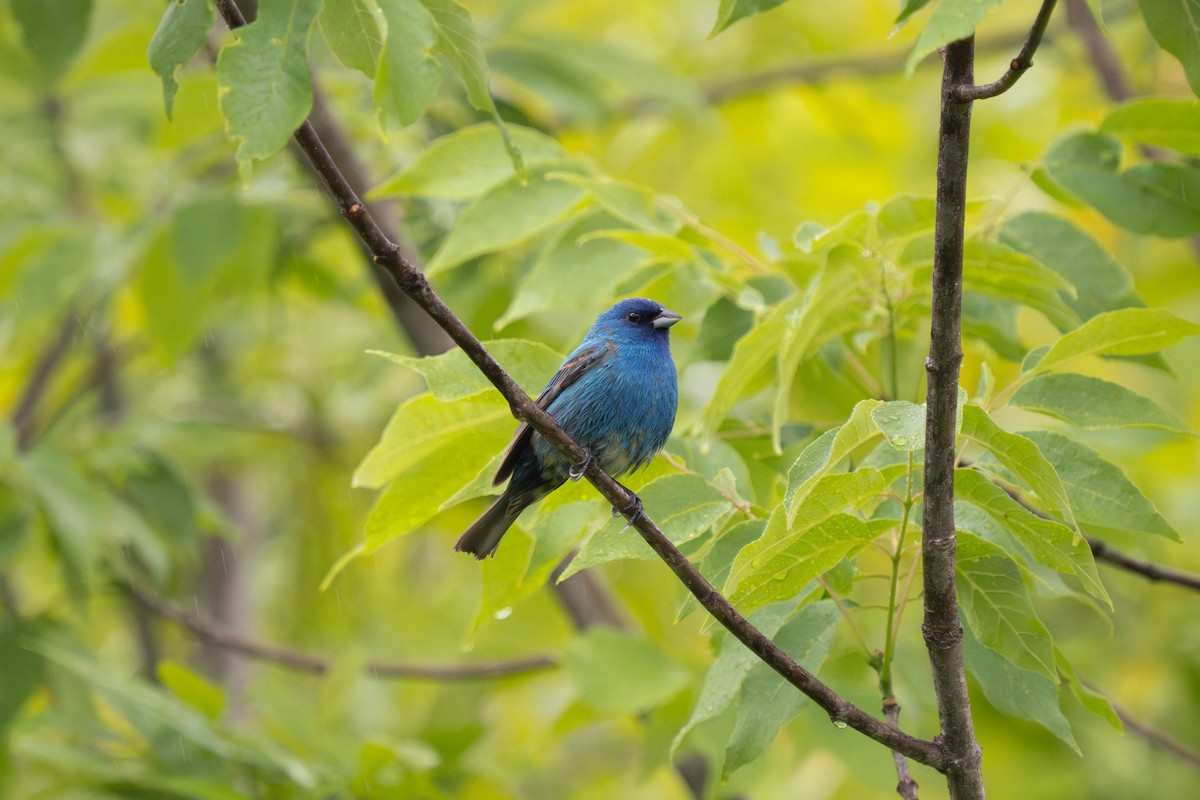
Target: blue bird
pixel 616 395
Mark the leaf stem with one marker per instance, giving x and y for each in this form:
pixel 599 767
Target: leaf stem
pixel 889 645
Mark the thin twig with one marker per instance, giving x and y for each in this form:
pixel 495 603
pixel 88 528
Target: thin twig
pixel 907 786
pixel 1104 552
pixel 941 628
pixel 1158 738
pixel 217 635
pixel 39 379
pixel 967 92
pixel 414 284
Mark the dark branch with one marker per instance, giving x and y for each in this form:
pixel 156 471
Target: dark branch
pixel 413 283
pixel 941 627
pixel 967 92
pixel 907 787
pixel 217 635
pixel 39 380
pixel 1158 738
pixel 1104 552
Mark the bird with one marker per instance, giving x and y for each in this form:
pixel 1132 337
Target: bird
pixel 616 395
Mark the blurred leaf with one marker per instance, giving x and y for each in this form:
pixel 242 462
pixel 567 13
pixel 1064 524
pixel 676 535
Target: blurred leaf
pixel 265 85
pixel 351 27
pixel 1125 332
pixel 1022 456
pixel 159 489
pixel 767 701
pixel 1172 23
pixel 191 688
pixel 906 214
pixel 22 668
pixel 996 606
pixel 1050 543
pixel 408 76
pixel 909 8
pixel 1102 498
pixel 731 11
pixel 618 673
pixel 505 216
pixel 827 452
pixel 468 162
pixel 1090 699
pixel 1100 282
pixel 1158 122
pixel 788 556
pixel 183 31
pixel 452 375
pixel 1023 693
pixel 1160 199
pixel 53 32
pixel 1093 403
pixel 951 20
pixel 629 202
pixel 684 506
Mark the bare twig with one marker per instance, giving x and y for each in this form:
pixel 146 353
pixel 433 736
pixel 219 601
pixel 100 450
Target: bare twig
pixel 217 635
pixel 907 786
pixel 1105 552
pixel 1104 57
pixel 1158 738
pixel 414 284
pixel 39 380
pixel 941 628
pixel 966 92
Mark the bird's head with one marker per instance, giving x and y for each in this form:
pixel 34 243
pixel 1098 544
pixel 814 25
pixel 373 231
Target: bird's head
pixel 637 319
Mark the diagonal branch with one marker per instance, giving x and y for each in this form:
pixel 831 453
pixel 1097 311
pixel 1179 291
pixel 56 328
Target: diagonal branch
pixel 414 284
pixel 216 634
pixel 966 92
pixel 1103 551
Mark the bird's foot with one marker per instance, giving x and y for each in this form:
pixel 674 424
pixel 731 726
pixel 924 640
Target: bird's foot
pixel 631 514
pixel 575 471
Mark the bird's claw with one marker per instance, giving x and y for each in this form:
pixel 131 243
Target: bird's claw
pixel 631 514
pixel 575 471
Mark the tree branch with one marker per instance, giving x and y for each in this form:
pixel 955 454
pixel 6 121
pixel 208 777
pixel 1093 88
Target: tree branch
pixel 414 284
pixel 217 635
pixel 907 787
pixel 1104 552
pixel 966 92
pixel 39 380
pixel 1158 738
pixel 941 628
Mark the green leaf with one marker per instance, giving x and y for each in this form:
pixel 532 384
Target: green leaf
pixel 453 375
pixel 909 8
pixel 1050 543
pixel 182 32
pixel 1153 198
pixel 827 451
pixel 573 272
pixel 1125 332
pixel 1093 403
pixel 996 606
pixel 683 505
pixel 408 76
pixel 951 20
pixel 633 204
pixel 1101 283
pixel 1175 25
pixel 730 11
pixel 788 556
pixel 191 688
pixel 1022 456
pixel 905 215
pixel 903 423
pixel 1090 699
pixel 53 32
pixel 457 41
pixel 1158 122
pixel 468 162
pixel 767 701
pixel 719 559
pixel 725 677
pixel 1102 498
pixel 22 668
pixel 1023 693
pixel 351 27
pixel 265 87
pixel 159 490
pixel 423 425
pixel 619 673
pixel 507 215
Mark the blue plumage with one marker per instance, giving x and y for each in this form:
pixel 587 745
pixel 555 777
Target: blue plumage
pixel 616 395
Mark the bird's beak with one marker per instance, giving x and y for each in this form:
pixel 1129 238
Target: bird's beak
pixel 665 319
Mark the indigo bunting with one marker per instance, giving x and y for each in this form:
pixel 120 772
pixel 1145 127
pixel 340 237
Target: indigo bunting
pixel 616 395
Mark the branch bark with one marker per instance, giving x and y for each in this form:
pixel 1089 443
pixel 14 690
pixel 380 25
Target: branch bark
pixel 413 283
pixel 1103 551
pixel 966 92
pixel 907 787
pixel 941 627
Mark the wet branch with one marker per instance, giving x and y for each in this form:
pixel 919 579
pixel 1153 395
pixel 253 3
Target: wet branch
pixel 414 284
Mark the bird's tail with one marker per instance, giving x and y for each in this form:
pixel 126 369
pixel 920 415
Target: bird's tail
pixel 485 533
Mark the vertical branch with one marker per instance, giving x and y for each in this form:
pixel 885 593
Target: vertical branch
pixel 941 628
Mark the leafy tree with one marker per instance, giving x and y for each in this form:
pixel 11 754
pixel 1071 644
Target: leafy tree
pixel 186 319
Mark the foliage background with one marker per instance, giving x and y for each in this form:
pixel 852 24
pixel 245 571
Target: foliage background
pixel 216 398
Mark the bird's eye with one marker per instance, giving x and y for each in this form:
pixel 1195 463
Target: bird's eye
pixel 634 317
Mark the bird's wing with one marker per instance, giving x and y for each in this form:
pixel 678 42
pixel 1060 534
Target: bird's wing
pixel 572 369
